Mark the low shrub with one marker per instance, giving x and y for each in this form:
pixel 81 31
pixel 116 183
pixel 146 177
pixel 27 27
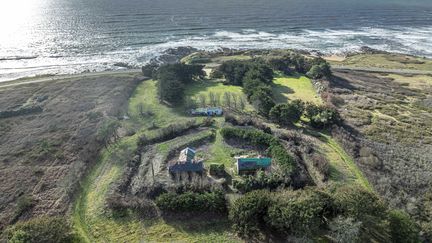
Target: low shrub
pixel 260 181
pixel 321 116
pixel 286 114
pixel 217 169
pixel 402 228
pixel 44 230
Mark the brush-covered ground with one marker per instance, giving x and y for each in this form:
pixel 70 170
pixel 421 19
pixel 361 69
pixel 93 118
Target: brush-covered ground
pixel 49 139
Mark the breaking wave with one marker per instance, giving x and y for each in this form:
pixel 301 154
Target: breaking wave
pixel 414 41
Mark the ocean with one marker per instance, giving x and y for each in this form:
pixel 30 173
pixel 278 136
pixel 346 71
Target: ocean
pixel 39 37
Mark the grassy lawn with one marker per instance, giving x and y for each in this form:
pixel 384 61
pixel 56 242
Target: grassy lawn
pixel 204 88
pixel 387 61
pixel 222 153
pixel 295 87
pixel 146 94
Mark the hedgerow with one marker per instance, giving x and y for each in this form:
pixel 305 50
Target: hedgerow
pixel 189 202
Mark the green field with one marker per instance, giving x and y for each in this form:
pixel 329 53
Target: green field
pixel 295 87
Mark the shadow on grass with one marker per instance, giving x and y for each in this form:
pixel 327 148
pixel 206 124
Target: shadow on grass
pixel 280 92
pixel 204 223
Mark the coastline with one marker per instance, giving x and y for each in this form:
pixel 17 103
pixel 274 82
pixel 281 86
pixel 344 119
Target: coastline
pixel 63 77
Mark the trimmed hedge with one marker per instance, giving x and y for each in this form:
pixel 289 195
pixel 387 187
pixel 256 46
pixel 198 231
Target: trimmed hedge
pixel 192 202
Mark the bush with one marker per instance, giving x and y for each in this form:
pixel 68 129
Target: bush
pixel 356 202
pixel 248 212
pixel 150 70
pixel 402 228
pixel 43 230
pixel 217 169
pixel 24 203
pixel 320 116
pixel 286 114
pixel 108 131
pixel 299 212
pixel 345 230
pixel 258 182
pixel 192 202
pixel 320 71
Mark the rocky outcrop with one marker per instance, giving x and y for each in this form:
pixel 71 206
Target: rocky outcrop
pixel 173 55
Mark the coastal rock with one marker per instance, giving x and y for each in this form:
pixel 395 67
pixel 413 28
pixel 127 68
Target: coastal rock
pixel 173 55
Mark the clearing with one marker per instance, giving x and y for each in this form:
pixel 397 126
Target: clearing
pixel 295 87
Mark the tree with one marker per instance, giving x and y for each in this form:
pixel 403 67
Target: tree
pixel 242 103
pixel 170 88
pixel 192 202
pixel 172 79
pixel 234 100
pixel 260 71
pixel 227 99
pixel 286 114
pixel 252 85
pixel 218 99
pixel 321 116
pixel 150 70
pixel 262 101
pixel 212 99
pixel 320 71
pixel 202 100
pixel 108 131
pixel 234 71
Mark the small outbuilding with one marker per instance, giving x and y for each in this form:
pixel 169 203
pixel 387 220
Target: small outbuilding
pixel 186 163
pixel 209 111
pixel 251 165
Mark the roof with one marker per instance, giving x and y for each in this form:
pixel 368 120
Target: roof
pixel 253 163
pixel 208 109
pixel 187 155
pixel 187 167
